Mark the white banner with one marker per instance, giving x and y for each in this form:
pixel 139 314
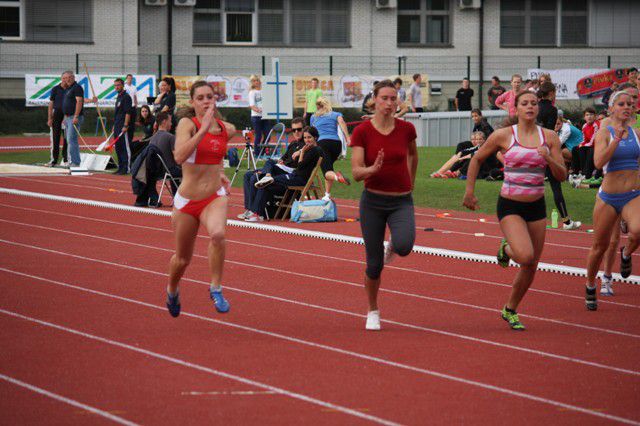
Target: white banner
pixel 38 87
pixel 566 80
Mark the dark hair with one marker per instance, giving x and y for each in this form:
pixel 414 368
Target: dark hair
pixel 118 80
pixel 590 110
pixel 466 78
pixel 398 81
pixel 626 85
pixel 513 119
pixel 162 116
pixel 523 93
pixel 130 75
pixel 315 79
pixel 189 111
pixel 477 111
pixel 312 131
pixel 171 82
pixel 415 77
pixel 546 89
pixel 496 78
pixel 632 69
pixel 149 119
pixel 384 83
pixel 297 120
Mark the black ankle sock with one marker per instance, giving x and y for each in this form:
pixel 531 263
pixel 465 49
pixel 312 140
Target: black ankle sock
pixel 566 222
pixel 511 311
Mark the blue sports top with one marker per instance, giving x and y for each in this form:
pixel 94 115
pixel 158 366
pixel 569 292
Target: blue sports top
pixel 626 155
pixel 327 125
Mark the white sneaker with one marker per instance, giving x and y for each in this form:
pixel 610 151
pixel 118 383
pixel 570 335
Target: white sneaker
pixel 389 254
pixel 253 218
pixel 267 180
pixel 244 215
pixel 64 164
pixel 606 288
pixel 574 224
pixel 373 320
pixel 326 197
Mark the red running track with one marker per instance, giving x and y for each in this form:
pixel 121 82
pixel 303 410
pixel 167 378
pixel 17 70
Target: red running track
pixel 296 324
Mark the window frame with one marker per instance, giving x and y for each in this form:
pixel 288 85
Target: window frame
pixel 423 13
pixel 254 24
pixel 21 16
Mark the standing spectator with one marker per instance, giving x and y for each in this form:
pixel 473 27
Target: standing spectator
pixel 121 122
pixel 544 78
pixel 607 94
pixel 480 123
pixel 367 102
pixel 73 108
pixel 147 121
pixel 463 96
pixel 166 99
pixel 632 74
pixel 133 93
pixel 585 150
pixel 533 85
pixel 54 121
pixel 402 94
pixel 507 101
pixel 415 94
pixel 260 126
pixel 495 91
pixel 326 121
pixel 311 96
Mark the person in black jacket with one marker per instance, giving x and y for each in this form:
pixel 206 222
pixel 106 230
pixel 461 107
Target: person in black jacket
pixel 480 124
pixel 307 161
pixel 547 118
pixel 121 122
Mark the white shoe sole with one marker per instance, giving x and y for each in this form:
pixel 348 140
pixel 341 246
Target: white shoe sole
pixel 373 321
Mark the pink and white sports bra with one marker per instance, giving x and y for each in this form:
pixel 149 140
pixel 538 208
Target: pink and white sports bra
pixel 524 168
pixel 212 148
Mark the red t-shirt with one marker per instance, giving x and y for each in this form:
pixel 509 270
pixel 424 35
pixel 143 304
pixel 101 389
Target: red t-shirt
pixel 394 174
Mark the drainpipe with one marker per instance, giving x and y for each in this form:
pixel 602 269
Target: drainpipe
pixel 169 37
pixel 481 58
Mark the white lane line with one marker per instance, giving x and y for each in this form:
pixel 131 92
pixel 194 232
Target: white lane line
pixel 333 258
pixel 204 369
pixel 73 402
pixel 232 393
pixel 321 278
pixel 374 359
pixel 343 312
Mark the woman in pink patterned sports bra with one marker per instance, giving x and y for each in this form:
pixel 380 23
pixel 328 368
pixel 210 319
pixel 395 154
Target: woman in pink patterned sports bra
pixel 527 149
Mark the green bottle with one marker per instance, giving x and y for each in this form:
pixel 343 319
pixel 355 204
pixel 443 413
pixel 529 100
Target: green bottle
pixel 554 218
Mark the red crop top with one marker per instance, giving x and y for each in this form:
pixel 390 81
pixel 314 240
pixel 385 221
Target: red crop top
pixel 212 148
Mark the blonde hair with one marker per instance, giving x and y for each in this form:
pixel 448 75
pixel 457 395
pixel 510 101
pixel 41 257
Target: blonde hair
pixel 254 79
pixel 323 105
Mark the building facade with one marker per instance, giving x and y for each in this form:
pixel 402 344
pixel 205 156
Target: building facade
pixel 446 39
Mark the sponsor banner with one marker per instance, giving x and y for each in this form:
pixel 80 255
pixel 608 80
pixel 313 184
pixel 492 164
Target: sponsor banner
pixel 581 83
pixel 38 88
pixel 231 91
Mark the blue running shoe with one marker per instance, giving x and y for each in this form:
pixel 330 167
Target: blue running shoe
pixel 173 304
pixel 219 301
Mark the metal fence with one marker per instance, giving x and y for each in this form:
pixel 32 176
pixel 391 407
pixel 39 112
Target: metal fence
pixel 439 68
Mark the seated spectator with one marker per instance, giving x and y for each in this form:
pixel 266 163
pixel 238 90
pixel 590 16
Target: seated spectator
pixel 607 94
pixel 147 121
pixel 256 179
pixel 161 142
pixel 307 161
pixel 457 165
pixel 480 124
pixel 570 137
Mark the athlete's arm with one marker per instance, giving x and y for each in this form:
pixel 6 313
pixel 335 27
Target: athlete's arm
pixel 553 155
pixel 359 170
pixel 491 146
pixel 603 149
pixel 412 161
pixel 187 138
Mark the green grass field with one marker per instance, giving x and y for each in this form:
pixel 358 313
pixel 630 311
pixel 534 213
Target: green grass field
pixel 443 194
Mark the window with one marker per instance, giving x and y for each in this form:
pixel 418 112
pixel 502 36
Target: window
pixel 272 22
pixel 613 24
pixel 543 22
pixel 11 19
pixel 59 21
pixel 424 22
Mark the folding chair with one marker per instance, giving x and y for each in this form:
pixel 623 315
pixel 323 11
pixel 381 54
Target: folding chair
pixel 165 180
pixel 280 132
pixel 314 184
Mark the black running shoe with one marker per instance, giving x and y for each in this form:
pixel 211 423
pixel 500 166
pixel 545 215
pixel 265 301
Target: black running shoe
pixel 173 304
pixel 625 264
pixel 590 298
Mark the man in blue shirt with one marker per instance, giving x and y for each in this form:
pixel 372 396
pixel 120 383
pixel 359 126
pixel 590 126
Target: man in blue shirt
pixel 54 122
pixel 121 121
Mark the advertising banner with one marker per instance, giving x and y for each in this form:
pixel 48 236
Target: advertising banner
pixel 581 83
pixel 38 88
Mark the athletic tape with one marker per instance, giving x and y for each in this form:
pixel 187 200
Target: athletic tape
pixel 452 254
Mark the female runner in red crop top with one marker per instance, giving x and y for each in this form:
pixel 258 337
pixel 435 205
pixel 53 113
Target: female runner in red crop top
pixel 201 142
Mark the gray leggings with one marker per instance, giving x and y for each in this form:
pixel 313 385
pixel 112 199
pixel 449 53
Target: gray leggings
pixel 376 211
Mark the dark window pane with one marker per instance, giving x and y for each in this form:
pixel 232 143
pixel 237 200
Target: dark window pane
pixel 334 28
pixel 335 5
pixel 271 4
pixel 437 4
pixel 206 28
pixel 57 20
pixel 408 29
pixel 437 29
pixel 543 30
pixel 239 27
pixel 548 5
pixel 511 5
pixel 208 4
pixel 574 30
pixel 303 5
pixel 574 5
pixel 270 28
pixel 512 31
pixel 239 6
pixel 9 21
pixel 303 28
pixel 409 4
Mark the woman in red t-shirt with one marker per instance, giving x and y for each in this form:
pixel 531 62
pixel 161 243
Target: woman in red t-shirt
pixel 384 155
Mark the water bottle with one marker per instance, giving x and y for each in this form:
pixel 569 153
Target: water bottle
pixel 554 218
